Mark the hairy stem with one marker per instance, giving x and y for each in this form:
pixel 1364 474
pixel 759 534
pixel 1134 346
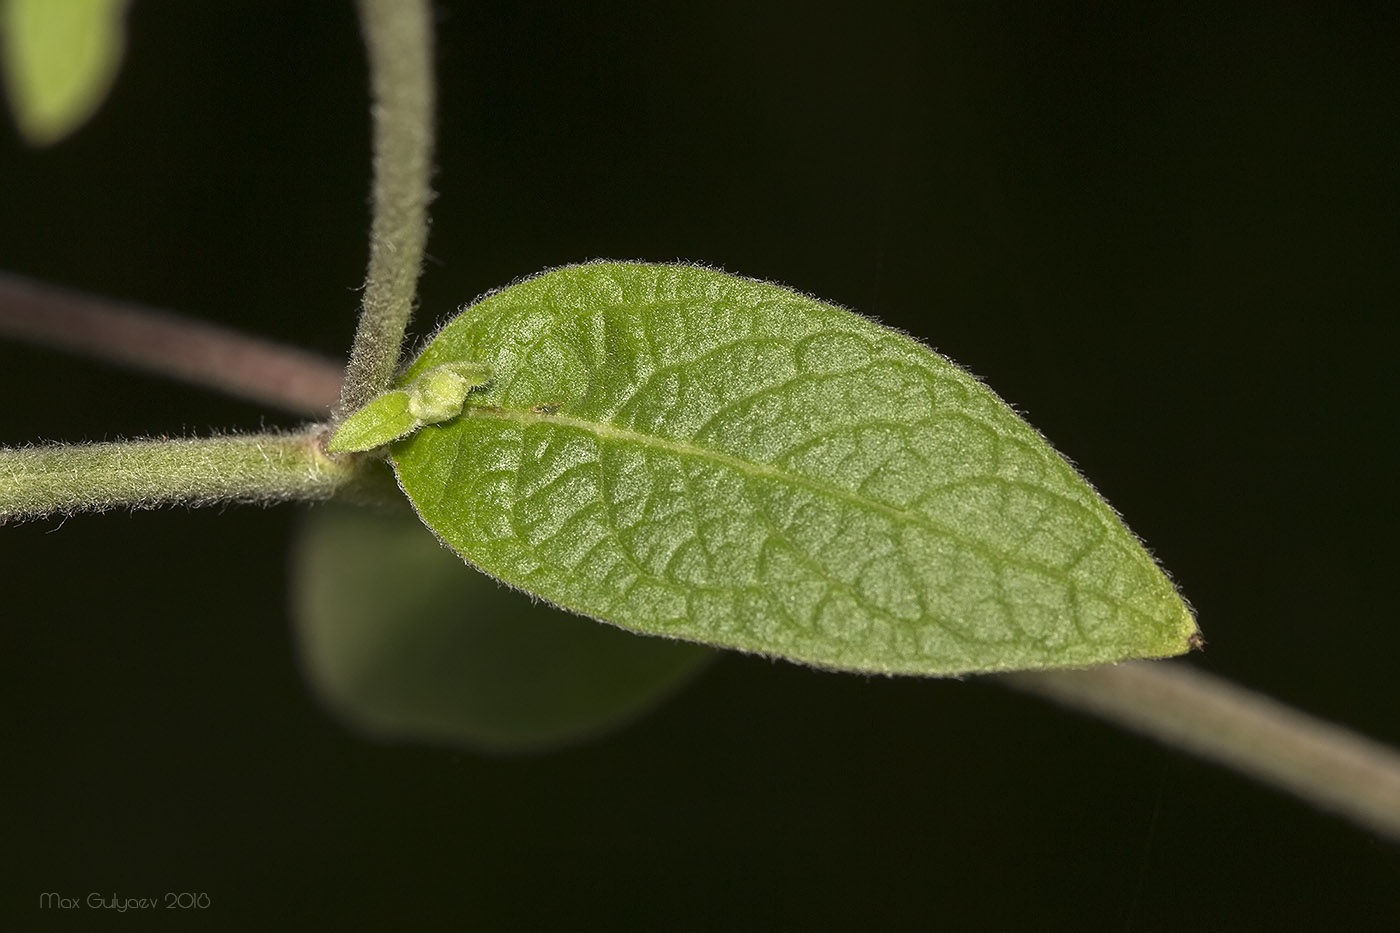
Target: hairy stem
pixel 1326 765
pixel 169 345
pixel 253 468
pixel 398 35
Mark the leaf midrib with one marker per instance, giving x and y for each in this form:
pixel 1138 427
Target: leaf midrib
pixel 607 431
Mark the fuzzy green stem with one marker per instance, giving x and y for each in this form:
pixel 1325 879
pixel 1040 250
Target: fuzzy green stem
pixel 1329 766
pixel 168 345
pixel 398 35
pixel 252 468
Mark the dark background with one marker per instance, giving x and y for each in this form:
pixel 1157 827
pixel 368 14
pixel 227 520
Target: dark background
pixel 1168 236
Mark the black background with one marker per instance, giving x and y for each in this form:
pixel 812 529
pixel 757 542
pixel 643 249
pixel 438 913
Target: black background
pixel 1168 236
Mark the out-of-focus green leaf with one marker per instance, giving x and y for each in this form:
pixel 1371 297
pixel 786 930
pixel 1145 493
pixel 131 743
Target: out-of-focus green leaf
pixel 60 58
pixel 403 641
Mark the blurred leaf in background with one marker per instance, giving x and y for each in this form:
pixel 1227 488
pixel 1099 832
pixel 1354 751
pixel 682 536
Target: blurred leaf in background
pixel 404 641
pixel 60 59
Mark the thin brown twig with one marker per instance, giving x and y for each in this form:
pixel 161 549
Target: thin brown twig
pixel 169 345
pixel 1325 764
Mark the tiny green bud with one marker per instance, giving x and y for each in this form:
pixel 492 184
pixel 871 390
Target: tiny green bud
pixel 435 396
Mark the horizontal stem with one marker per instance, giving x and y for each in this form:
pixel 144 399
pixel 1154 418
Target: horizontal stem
pixel 1327 765
pixel 254 468
pixel 169 345
pixel 1324 764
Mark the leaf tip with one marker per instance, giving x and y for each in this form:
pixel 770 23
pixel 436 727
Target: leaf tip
pixel 1186 634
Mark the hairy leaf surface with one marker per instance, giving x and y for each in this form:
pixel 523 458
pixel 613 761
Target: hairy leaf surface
pixel 686 453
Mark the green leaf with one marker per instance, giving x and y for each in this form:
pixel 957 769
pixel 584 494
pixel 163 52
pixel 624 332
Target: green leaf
pixel 384 419
pixel 435 395
pixel 60 58
pixel 404 642
pixel 683 452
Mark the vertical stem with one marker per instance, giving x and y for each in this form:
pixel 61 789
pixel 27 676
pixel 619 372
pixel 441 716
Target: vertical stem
pixel 1324 764
pixel 398 36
